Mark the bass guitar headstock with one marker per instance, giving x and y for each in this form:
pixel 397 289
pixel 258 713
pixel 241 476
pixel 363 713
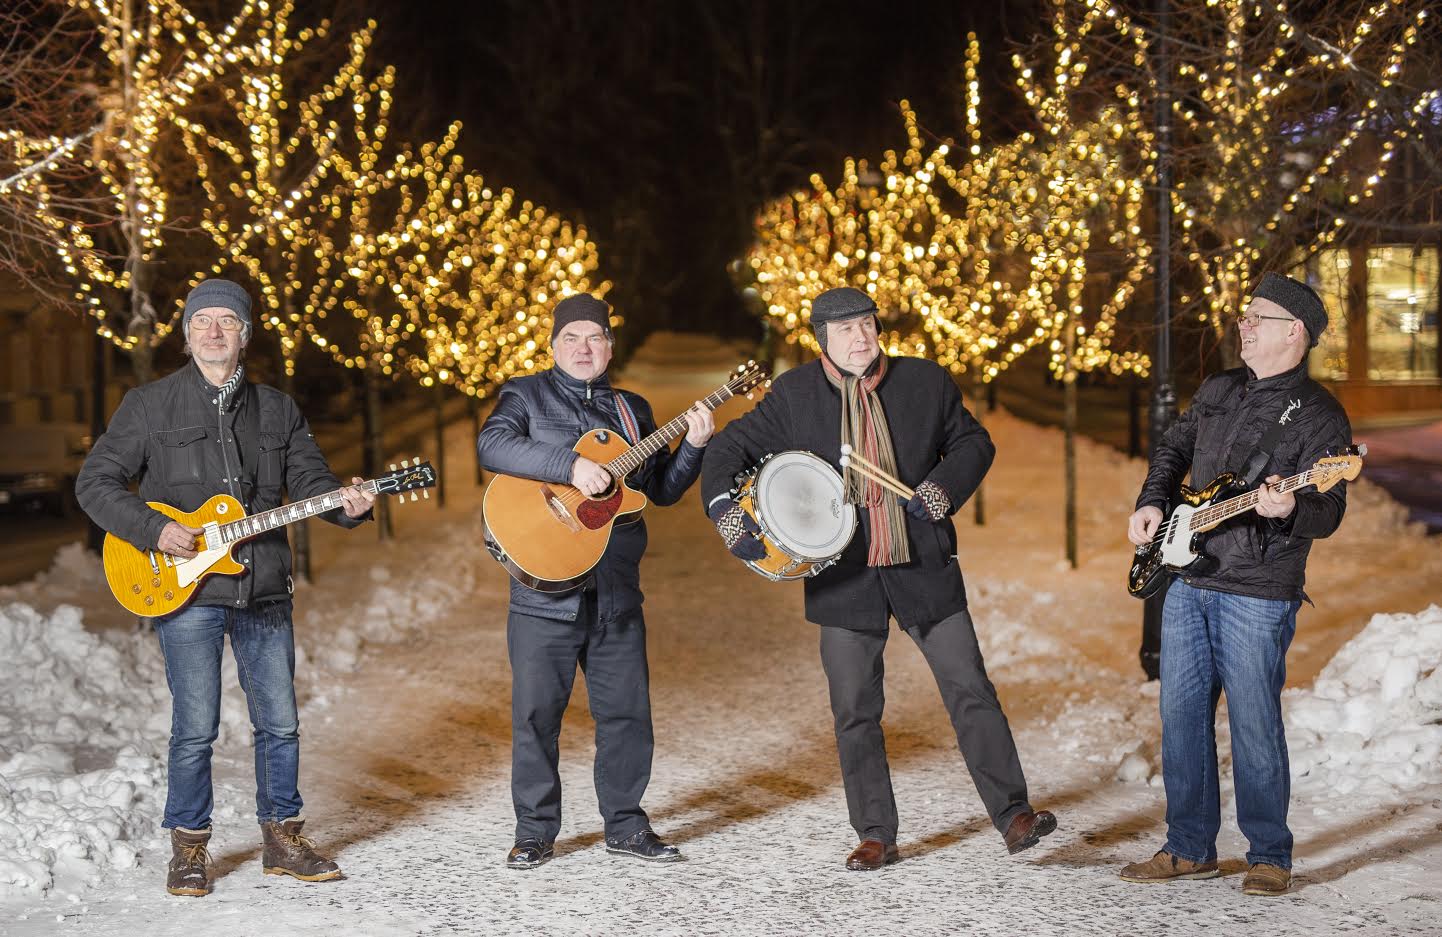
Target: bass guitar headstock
pixel 1346 465
pixel 410 476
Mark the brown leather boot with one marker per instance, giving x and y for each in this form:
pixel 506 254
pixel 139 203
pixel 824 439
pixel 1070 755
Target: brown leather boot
pixel 1266 880
pixel 188 856
pixel 289 853
pixel 1165 867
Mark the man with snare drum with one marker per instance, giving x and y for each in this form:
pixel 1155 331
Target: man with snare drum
pixel 904 416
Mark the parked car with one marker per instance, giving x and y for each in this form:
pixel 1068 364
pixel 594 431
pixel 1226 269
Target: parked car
pixel 38 465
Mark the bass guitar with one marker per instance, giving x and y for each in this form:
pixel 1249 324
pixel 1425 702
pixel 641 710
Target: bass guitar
pixel 549 536
pixel 1177 547
pixel 150 583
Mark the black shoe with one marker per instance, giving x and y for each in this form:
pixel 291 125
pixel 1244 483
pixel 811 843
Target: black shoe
pixel 529 853
pixel 644 845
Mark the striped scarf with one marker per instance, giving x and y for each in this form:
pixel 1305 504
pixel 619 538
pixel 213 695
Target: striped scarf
pixel 864 427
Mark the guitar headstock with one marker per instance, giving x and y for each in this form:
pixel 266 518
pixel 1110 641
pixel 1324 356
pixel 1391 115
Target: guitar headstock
pixel 413 475
pixel 1345 465
pixel 745 378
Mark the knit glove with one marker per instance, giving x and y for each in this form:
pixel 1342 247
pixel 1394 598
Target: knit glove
pixel 739 531
pixel 930 502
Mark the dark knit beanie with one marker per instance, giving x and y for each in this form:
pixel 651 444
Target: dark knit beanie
pixel 582 307
pixel 843 302
pixel 218 294
pixel 1297 298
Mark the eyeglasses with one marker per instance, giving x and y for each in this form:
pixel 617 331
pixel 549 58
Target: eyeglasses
pixel 203 321
pixel 595 341
pixel 1254 318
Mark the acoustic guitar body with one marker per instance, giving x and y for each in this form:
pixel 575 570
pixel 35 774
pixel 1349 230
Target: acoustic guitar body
pixel 550 536
pixel 150 583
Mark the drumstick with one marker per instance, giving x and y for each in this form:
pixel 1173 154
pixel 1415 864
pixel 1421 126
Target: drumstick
pixel 853 462
pixel 874 472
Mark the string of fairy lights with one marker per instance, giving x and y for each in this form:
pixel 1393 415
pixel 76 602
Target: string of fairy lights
pixel 386 257
pixel 976 255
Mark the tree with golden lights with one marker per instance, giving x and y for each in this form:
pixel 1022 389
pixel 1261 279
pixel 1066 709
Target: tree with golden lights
pixel 110 201
pixel 1286 123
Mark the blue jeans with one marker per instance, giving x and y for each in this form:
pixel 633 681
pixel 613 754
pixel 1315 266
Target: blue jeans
pixel 193 640
pixel 1213 643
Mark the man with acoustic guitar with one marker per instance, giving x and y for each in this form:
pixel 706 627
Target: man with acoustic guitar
pixel 1226 626
pixel 598 625
pixel 202 431
pixel 899 423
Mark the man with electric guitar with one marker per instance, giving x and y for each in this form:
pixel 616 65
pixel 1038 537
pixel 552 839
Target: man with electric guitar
pixel 1231 612
pixel 590 614
pixel 206 434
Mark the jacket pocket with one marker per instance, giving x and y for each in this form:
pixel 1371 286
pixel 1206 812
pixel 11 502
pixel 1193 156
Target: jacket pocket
pixel 182 454
pixel 270 467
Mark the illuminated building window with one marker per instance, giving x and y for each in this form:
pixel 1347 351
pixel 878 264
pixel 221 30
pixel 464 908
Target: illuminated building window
pixel 1402 307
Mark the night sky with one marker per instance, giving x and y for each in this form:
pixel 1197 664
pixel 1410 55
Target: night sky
pixel 663 126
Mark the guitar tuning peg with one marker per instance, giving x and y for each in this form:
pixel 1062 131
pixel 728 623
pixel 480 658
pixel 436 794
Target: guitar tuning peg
pixel 393 466
pixel 416 460
pixel 426 493
pixel 413 496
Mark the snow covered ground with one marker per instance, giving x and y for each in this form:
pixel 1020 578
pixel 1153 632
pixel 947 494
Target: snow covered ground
pixel 404 688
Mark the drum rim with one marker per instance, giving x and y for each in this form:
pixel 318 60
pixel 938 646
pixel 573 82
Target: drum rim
pixel 848 518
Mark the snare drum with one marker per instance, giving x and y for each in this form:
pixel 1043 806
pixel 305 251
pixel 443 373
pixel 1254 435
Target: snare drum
pixel 798 501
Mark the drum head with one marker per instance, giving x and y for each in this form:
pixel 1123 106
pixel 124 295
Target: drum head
pixel 801 505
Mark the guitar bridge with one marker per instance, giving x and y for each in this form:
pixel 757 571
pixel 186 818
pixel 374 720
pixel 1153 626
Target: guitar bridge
pixel 558 509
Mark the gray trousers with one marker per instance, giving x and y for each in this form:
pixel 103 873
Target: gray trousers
pixel 854 674
pixel 544 655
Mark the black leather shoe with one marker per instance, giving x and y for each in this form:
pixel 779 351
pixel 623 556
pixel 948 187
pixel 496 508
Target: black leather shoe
pixel 529 853
pixel 644 845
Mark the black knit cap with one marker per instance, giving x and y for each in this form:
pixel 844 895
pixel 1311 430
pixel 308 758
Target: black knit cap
pixel 843 302
pixel 1297 298
pixel 582 307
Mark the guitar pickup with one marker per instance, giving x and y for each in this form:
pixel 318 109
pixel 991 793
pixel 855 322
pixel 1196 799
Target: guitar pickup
pixel 558 509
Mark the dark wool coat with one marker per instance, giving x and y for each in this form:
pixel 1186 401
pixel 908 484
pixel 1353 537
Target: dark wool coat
pixel 935 439
pixel 1256 556
pixel 172 435
pixel 537 420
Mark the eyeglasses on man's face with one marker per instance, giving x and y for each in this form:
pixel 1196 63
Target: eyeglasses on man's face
pixel 1253 319
pixel 204 321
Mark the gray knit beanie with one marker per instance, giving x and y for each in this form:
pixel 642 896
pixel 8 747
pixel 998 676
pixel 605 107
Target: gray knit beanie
pixel 218 294
pixel 1297 298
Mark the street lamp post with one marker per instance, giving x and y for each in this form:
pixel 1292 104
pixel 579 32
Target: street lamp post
pixel 1164 396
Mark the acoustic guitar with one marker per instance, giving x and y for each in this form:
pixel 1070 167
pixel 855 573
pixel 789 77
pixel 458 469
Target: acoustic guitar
pixel 549 536
pixel 150 583
pixel 1178 545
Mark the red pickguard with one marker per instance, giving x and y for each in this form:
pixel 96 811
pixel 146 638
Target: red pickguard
pixel 597 514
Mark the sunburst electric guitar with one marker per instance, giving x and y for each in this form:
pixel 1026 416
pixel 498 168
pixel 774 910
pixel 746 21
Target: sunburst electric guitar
pixel 150 583
pixel 549 536
pixel 1177 546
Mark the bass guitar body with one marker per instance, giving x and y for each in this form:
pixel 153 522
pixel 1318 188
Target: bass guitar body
pixel 150 583
pixel 1176 548
pixel 550 536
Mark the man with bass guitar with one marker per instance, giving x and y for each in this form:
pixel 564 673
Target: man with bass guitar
pixel 598 624
pixel 202 431
pixel 1229 619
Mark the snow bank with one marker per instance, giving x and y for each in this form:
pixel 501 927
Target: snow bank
pixel 1370 727
pixel 80 773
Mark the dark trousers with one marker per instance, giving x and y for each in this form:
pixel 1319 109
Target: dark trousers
pixel 544 655
pixel 854 674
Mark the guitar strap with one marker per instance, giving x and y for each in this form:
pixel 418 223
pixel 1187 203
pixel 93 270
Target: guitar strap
pixel 630 428
pixel 1268 443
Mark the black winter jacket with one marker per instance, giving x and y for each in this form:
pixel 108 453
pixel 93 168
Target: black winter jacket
pixel 935 439
pixel 529 434
pixel 172 436
pixel 1256 556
